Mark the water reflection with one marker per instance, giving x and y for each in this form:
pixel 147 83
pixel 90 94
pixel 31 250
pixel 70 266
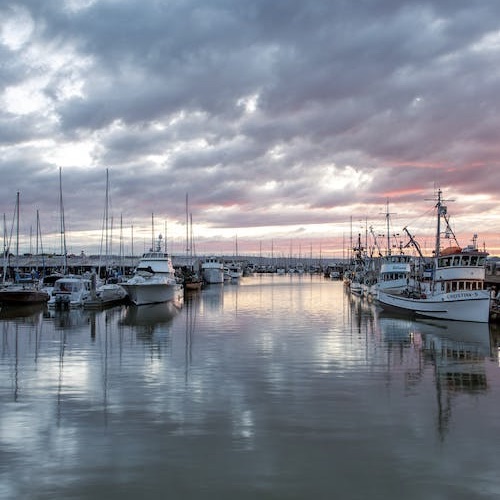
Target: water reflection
pixel 213 297
pixel 27 313
pixel 287 384
pixel 454 352
pixel 68 318
pixel 150 315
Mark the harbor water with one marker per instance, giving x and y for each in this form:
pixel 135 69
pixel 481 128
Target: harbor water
pixel 276 387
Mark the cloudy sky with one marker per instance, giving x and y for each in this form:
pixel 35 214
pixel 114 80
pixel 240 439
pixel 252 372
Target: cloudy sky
pixel 287 122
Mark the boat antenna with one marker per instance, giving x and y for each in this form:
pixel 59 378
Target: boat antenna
pixel 152 232
pixel 441 212
pixel 387 220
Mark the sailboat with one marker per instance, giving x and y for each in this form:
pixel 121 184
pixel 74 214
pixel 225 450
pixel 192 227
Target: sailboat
pixel 24 289
pixel 110 292
pixel 191 278
pixel 68 291
pixel 451 288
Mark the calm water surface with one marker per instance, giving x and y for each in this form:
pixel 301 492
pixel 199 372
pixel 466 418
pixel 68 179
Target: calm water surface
pixel 277 387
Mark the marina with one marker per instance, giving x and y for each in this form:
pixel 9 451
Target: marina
pixel 274 386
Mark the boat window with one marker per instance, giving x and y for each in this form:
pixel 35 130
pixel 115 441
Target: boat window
pixel 481 261
pixel 465 260
pixel 461 285
pixel 456 260
pixel 454 286
pixel 473 260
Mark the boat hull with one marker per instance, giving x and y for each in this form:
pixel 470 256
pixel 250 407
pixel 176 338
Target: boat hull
pixel 22 297
pixel 463 306
pixel 152 293
pixel 193 285
pixel 213 275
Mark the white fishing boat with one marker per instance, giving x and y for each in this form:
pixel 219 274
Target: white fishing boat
pixel 70 292
pixel 154 278
pixel 394 270
pixel 233 271
pixel 212 269
pixel 355 276
pixel 394 274
pixel 452 288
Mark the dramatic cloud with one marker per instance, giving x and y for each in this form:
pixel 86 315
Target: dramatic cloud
pixel 283 120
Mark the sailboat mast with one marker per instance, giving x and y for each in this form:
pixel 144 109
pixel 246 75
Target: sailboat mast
pixel 121 243
pixel 187 228
pixel 191 246
pixel 62 224
pixel 5 252
pixel 106 218
pixel 152 232
pixel 17 225
pixel 39 237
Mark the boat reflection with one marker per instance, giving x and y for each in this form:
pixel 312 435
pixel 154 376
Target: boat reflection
pixel 68 318
pixel 151 322
pixel 29 312
pixel 150 314
pixel 455 352
pixel 213 297
pixel 470 338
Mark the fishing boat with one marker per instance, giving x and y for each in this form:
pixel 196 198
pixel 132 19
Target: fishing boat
pixel 233 271
pixel 394 269
pixel 450 286
pixel 154 278
pixel 394 274
pixel 213 270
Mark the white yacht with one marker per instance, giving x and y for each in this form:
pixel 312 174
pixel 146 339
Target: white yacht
pixel 70 292
pixel 154 279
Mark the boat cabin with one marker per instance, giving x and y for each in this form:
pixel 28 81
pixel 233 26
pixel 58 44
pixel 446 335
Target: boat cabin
pixel 460 270
pixel 461 260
